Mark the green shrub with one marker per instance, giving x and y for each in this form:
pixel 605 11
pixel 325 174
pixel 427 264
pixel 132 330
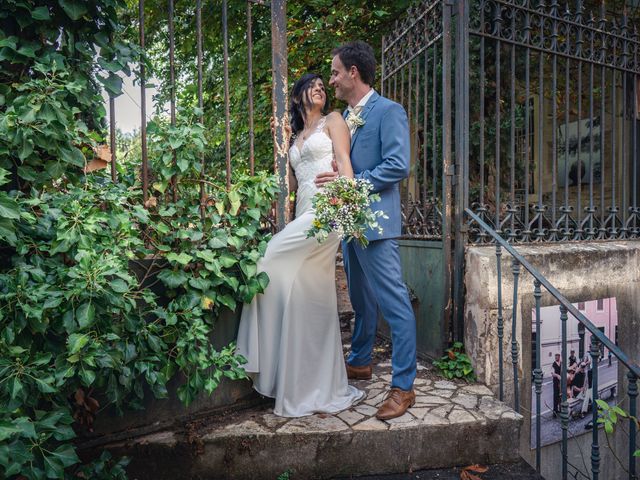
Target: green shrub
pixel 455 363
pixel 79 332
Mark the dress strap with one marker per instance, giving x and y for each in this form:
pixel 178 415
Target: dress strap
pixel 321 124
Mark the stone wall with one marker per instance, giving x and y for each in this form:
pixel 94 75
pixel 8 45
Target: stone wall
pixel 581 272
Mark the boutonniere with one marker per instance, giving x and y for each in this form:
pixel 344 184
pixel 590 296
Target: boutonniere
pixel 354 120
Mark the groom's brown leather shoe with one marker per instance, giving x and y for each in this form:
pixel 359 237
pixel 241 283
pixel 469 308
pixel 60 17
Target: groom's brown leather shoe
pixel 396 404
pixel 358 373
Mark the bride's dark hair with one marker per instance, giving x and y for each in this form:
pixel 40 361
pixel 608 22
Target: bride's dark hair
pixel 301 99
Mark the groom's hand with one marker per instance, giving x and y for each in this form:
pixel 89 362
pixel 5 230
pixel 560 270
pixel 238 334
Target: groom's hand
pixel 326 177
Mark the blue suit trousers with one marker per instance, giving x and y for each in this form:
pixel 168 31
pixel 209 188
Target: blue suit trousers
pixel 375 283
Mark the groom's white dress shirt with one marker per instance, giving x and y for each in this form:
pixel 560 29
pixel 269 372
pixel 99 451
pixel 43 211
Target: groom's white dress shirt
pixel 358 108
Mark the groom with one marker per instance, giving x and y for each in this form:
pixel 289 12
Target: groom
pixel 380 153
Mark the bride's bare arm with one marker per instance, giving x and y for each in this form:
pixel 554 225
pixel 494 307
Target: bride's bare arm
pixel 341 138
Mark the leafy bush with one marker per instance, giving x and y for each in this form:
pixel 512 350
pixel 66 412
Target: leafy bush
pixel 79 332
pixel 54 59
pixel 9 212
pixel 455 363
pixel 101 297
pixel 609 416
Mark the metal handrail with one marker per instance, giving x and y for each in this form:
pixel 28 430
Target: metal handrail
pixel 617 352
pixel 597 339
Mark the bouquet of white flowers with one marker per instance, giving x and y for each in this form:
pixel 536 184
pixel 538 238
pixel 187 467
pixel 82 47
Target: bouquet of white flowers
pixel 343 206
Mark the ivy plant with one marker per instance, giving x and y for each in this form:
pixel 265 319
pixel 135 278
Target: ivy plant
pixel 455 363
pixel 81 332
pixel 55 57
pixel 105 296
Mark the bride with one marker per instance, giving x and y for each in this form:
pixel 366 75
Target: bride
pixel 290 334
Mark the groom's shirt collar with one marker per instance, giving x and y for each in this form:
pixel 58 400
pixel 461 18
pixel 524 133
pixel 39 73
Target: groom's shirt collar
pixel 363 101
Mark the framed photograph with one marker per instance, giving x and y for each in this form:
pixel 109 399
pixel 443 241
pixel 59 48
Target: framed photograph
pixel 575 142
pixel 604 315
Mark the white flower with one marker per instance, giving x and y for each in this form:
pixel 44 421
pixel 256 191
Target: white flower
pixel 354 120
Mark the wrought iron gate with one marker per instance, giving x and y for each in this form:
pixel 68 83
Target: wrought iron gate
pixel 416 72
pixel 526 112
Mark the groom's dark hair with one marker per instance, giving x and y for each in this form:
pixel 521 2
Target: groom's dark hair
pixel 361 55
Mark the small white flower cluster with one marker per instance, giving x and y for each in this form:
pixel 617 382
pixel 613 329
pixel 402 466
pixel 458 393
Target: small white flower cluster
pixel 344 207
pixel 354 121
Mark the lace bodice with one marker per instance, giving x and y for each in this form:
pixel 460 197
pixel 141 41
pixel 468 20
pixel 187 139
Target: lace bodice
pixel 313 157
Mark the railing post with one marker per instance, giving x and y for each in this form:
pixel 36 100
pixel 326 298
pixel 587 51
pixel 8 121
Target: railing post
pixel 280 100
pixel 515 269
pixel 633 395
pixel 564 406
pixel 537 375
pixel 112 132
pixel 172 94
pixel 500 323
pixel 112 137
pixel 250 88
pixel 461 160
pixel 448 167
pixel 227 114
pixel 595 447
pixel 143 108
pixel 199 61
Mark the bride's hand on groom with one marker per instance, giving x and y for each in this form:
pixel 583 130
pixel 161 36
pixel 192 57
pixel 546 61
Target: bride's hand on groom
pixel 326 177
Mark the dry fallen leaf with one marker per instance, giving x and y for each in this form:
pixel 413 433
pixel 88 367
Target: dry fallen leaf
pixel 151 202
pixel 466 474
pixel 471 476
pixel 477 468
pixel 79 396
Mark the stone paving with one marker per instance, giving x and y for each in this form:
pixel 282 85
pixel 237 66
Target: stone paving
pixel 451 424
pixel 438 402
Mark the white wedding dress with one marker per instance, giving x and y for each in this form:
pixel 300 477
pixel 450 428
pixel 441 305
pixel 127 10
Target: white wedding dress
pixel 290 334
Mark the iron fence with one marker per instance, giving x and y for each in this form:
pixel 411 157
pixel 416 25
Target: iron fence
pixel 416 72
pixel 413 75
pixel 279 78
pixel 524 119
pixel 545 118
pixel 555 117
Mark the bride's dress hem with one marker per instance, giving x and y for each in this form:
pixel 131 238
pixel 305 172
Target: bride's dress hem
pixel 352 402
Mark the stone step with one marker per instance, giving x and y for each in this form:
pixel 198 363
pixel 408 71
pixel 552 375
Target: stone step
pixel 503 471
pixel 452 424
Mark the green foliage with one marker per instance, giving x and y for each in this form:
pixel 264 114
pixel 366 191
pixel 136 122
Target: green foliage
pixel 41 129
pixel 456 363
pixel 609 415
pixel 9 212
pixel 105 468
pixel 286 475
pixel 81 332
pixel 314 28
pixel 102 299
pixel 54 59
pixel 176 152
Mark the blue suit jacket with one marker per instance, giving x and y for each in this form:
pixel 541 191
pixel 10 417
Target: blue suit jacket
pixel 380 153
